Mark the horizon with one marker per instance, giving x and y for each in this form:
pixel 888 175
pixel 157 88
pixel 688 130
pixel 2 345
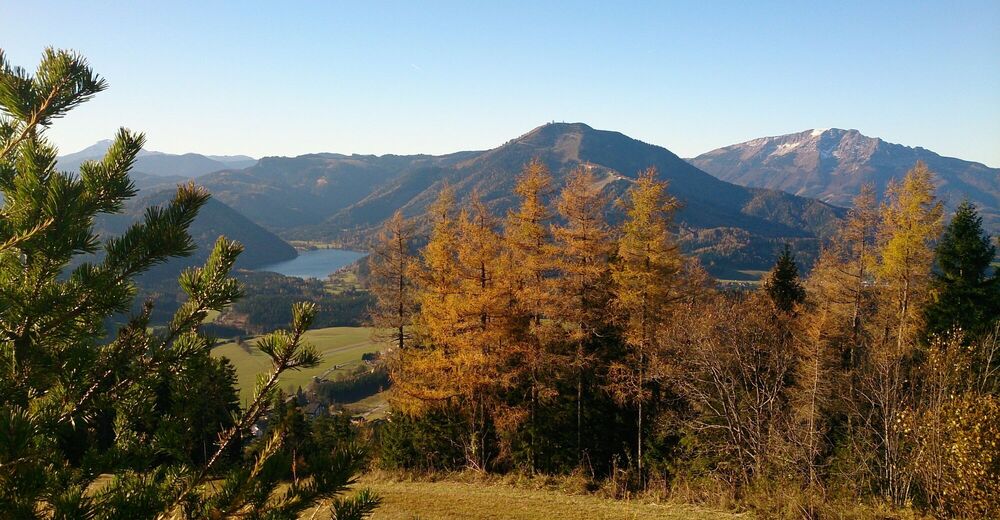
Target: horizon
pixel 402 79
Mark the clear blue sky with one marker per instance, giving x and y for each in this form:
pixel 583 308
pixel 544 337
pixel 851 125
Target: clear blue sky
pixel 284 78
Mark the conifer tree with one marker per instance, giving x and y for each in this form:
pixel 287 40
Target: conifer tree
pixel 910 223
pixel 392 267
pixel 965 293
pixel 782 283
pixel 65 375
pixel 529 241
pixel 583 249
pixel 420 376
pixel 645 284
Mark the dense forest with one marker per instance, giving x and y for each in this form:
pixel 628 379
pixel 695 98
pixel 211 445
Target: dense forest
pixel 546 341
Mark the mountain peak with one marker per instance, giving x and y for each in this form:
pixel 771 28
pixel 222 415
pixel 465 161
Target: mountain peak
pixel 832 165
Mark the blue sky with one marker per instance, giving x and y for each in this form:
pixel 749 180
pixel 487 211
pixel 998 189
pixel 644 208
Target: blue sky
pixel 285 78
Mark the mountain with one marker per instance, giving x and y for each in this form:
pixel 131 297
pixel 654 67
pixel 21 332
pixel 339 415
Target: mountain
pixel 261 247
pixel 346 198
pixel 189 165
pixel 833 164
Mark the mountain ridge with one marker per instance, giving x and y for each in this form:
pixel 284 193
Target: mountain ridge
pixel 833 164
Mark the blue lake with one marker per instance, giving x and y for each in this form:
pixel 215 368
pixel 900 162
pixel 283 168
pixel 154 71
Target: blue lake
pixel 318 263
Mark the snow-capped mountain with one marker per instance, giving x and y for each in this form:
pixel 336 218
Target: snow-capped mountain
pixel 833 164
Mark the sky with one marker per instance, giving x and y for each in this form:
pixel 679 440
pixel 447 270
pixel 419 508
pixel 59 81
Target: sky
pixel 287 78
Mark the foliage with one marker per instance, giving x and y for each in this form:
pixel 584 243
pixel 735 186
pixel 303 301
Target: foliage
pixel 782 283
pixel 965 295
pixel 77 402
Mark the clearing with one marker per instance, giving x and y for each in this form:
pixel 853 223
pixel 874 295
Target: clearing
pixel 339 348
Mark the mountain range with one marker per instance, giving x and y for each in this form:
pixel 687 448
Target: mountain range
pixel 160 164
pixel 833 164
pixel 345 198
pixel 740 203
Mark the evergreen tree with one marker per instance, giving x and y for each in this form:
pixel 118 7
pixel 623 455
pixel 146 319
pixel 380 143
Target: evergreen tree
pixel 783 285
pixel 73 396
pixel 964 293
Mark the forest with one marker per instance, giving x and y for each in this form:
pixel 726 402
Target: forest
pixel 547 341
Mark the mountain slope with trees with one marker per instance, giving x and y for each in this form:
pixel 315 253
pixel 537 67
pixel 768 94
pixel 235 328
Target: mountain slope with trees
pixel 346 198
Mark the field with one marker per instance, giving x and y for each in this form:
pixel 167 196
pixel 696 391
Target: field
pixel 340 349
pixel 454 500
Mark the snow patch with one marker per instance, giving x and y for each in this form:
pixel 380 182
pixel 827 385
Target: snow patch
pixel 785 148
pixel 818 132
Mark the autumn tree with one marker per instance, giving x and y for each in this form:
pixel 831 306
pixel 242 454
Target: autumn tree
pixel 392 267
pixel 583 249
pixel 417 375
pixel 645 284
pixel 529 241
pixel 910 223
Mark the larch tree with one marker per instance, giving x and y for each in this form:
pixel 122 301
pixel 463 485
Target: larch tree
pixel 528 238
pixel 483 340
pixel 582 292
pixel 392 269
pixel 419 376
pixel 644 275
pixel 66 377
pixel 910 223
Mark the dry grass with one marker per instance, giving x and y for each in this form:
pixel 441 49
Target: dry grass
pixel 450 499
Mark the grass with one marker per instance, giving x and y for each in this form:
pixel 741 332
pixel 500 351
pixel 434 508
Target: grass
pixel 448 500
pixel 340 349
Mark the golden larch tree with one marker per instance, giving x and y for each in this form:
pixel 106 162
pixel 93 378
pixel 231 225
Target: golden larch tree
pixel 583 250
pixel 644 285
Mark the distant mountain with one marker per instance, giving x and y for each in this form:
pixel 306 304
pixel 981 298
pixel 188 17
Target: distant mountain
pixel 332 196
pixel 261 247
pixel 833 164
pixel 189 165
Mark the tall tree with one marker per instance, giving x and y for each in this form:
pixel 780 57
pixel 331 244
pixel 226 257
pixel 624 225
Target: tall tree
pixel 965 294
pixel 392 266
pixel 529 241
pixel 782 283
pixel 645 275
pixel 583 247
pixel 66 375
pixel 910 222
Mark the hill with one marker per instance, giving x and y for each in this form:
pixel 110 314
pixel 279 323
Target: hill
pixel 188 165
pixel 261 246
pixel 345 198
pixel 833 164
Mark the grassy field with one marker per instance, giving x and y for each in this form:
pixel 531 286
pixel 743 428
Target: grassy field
pixel 337 346
pixel 459 500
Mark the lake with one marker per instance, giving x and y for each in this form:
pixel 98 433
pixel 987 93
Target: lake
pixel 317 263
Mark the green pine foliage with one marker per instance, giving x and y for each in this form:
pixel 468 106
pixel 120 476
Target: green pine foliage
pixel 783 284
pixel 965 295
pixel 129 423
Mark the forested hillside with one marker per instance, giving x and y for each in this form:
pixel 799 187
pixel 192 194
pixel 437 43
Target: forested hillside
pixel 345 198
pixel 556 341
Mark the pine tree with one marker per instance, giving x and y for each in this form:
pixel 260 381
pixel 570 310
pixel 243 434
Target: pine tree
pixel 965 294
pixel 782 284
pixel 583 249
pixel 645 275
pixel 67 379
